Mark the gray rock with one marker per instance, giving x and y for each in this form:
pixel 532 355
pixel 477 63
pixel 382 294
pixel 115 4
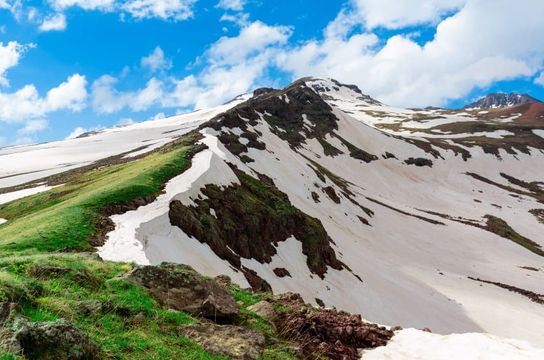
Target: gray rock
pixel 264 309
pixel 234 342
pixel 179 287
pixel 59 340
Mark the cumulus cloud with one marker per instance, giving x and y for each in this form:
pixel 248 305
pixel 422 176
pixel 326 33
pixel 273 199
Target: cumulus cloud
pixel 175 10
pixel 105 5
pixel 472 48
pixel 33 126
pixel 107 99
pixel 26 103
pixel 55 22
pixel 236 5
pixel 156 61
pixel 10 54
pixel 396 14
pixel 162 9
pixel 232 65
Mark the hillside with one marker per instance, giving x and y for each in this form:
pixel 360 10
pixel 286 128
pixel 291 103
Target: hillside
pixel 423 218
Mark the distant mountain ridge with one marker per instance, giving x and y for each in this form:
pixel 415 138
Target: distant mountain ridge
pixel 498 100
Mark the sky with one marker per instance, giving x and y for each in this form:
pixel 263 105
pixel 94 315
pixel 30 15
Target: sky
pixel 70 66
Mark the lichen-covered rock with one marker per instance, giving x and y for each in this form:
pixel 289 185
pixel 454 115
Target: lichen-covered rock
pixel 179 287
pixel 234 342
pixel 50 340
pixel 264 309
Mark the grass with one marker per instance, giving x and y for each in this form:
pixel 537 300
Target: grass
pixel 126 322
pixel 66 217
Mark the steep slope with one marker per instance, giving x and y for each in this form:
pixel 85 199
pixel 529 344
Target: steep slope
pixel 423 218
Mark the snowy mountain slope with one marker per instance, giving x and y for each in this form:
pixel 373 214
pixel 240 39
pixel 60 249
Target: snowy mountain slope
pixel 423 218
pixel 23 164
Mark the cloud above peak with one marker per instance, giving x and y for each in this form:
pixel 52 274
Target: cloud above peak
pixel 472 48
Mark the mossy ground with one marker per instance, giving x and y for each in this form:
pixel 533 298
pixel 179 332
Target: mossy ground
pixel 49 233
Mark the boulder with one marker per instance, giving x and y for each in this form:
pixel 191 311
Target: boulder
pixel 179 287
pixel 234 342
pixel 59 340
pixel 264 309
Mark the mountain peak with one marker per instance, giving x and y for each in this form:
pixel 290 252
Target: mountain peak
pixel 498 100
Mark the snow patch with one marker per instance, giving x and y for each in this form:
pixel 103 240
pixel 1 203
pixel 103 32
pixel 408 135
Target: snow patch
pixel 16 195
pixel 539 132
pixel 420 345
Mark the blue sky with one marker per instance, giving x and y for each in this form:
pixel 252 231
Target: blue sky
pixel 85 64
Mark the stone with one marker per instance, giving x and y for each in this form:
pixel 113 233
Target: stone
pixel 8 311
pixel 59 340
pixel 234 342
pixel 179 287
pixel 264 309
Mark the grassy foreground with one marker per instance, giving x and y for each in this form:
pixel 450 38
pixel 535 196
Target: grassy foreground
pixel 47 265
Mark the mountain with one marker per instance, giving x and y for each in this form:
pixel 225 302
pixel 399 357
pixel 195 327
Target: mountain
pixel 424 218
pixel 500 100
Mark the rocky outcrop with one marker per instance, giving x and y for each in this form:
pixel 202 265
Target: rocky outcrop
pixel 179 287
pixel 419 162
pixel 55 340
pixel 326 332
pixel 234 342
pixel 250 219
pixel 47 340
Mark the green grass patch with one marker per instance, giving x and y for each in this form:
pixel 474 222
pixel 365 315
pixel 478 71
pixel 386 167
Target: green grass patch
pixel 64 218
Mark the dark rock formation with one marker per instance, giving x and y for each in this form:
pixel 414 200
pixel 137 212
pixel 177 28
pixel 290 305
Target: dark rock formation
pixel 281 272
pixel 419 162
pixel 250 220
pixel 179 287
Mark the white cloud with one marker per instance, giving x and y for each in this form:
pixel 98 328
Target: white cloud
pixel 104 5
pixel 233 65
pixel 396 14
pixel 107 99
pixel 251 40
pixel 156 61
pixel 162 9
pixel 13 6
pixel 33 126
pixel 473 48
pixel 540 79
pixel 26 104
pixel 236 5
pixel 125 122
pixel 10 54
pixel 76 132
pixel 56 22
